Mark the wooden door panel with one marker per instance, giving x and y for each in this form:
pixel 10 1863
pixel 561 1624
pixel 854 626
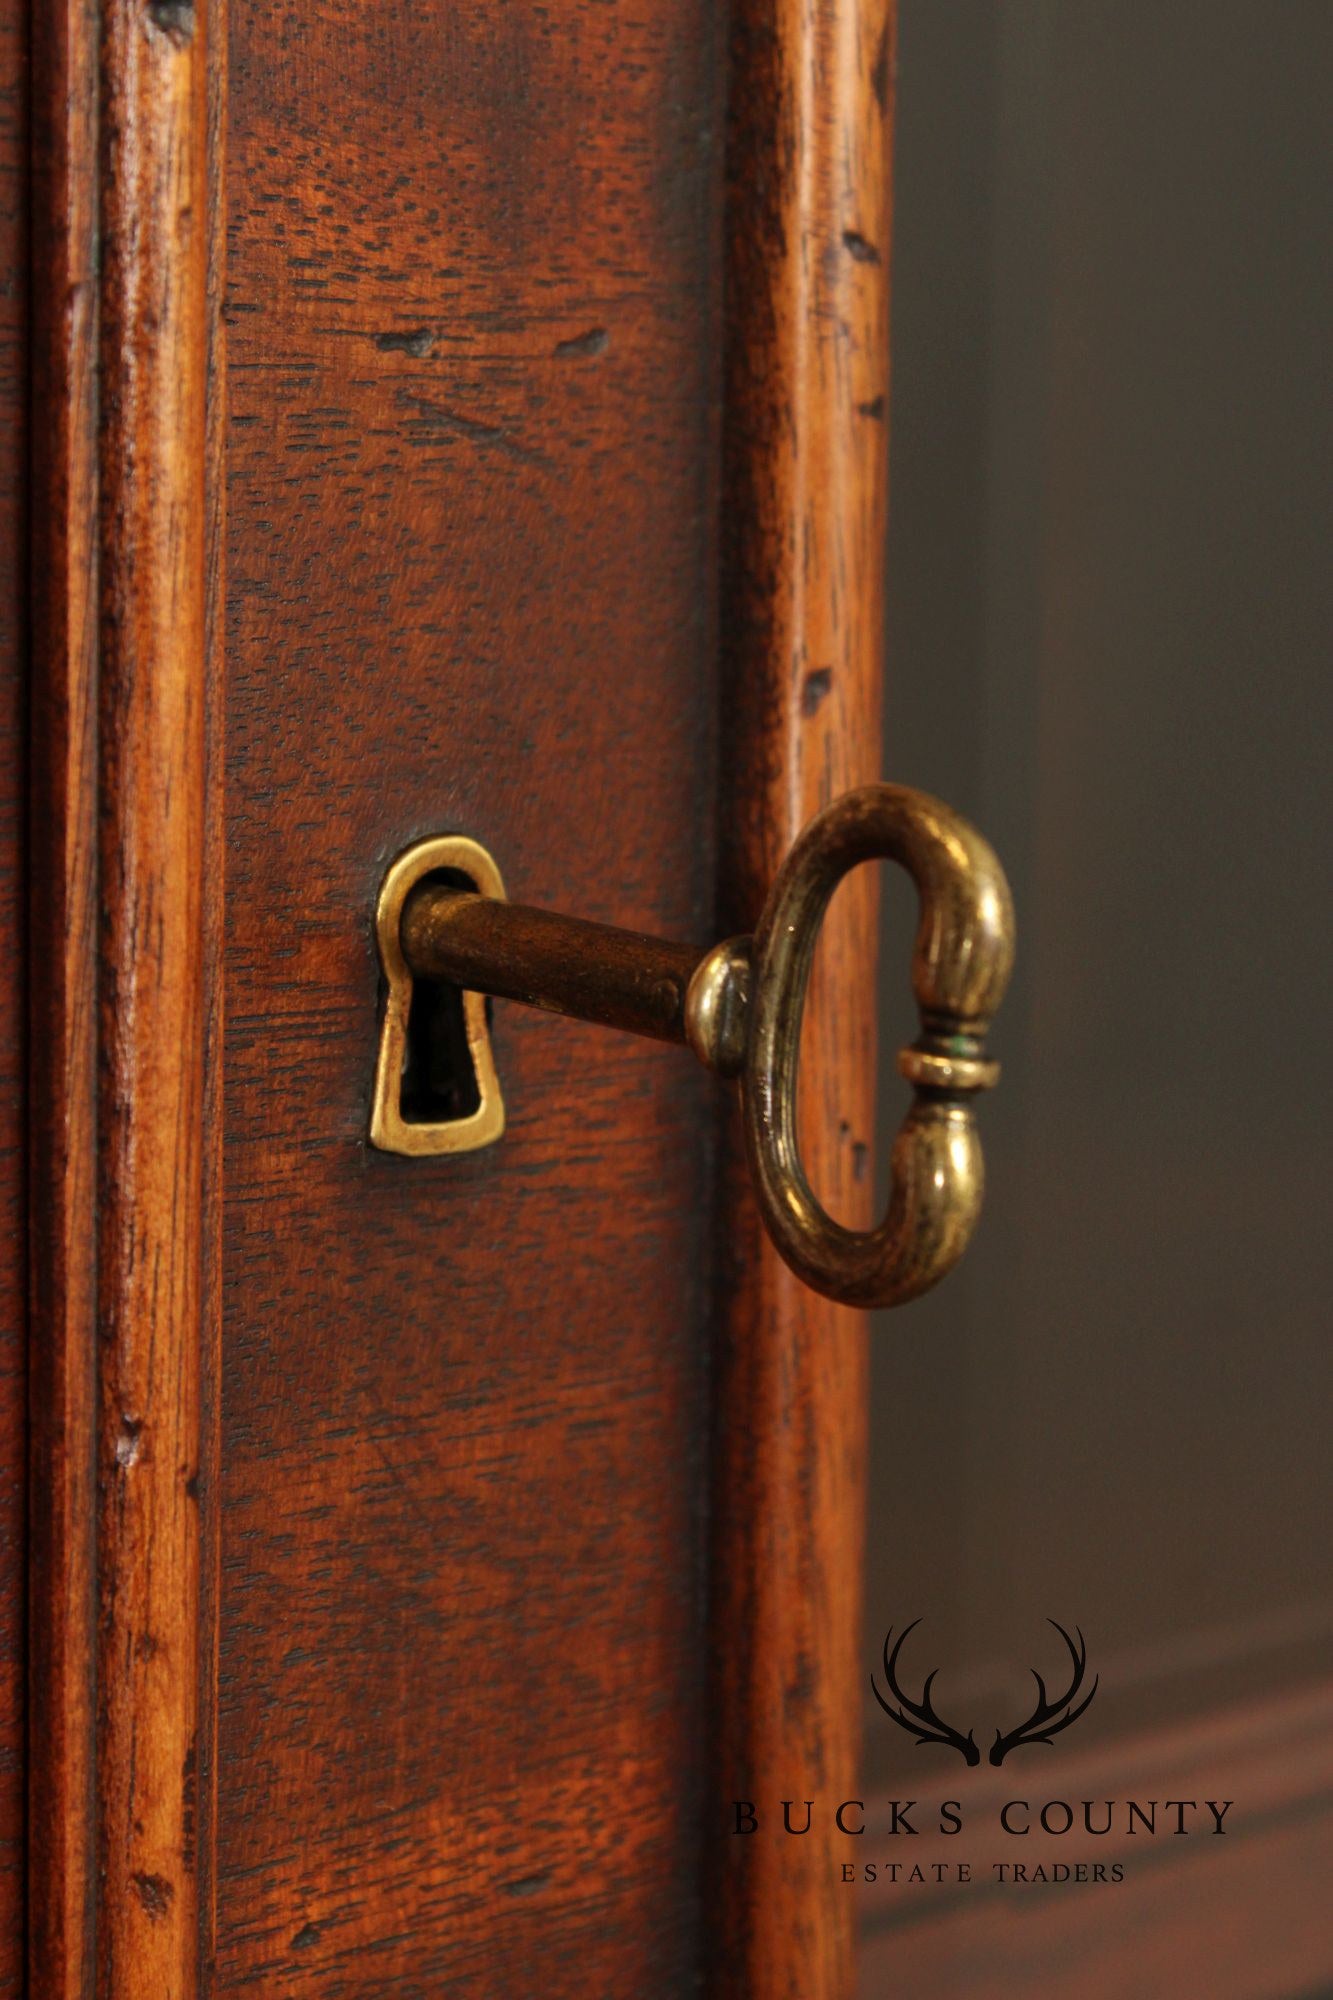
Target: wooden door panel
pixel 472 328
pixel 422 1551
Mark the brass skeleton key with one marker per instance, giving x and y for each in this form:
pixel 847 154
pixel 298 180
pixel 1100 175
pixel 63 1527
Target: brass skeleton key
pixel 738 1005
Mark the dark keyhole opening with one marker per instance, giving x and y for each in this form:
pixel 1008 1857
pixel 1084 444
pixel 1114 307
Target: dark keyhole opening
pixel 439 1080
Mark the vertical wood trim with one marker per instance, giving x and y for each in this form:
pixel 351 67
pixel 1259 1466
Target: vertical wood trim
pixel 15 336
pixel 210 1463
pixel 62 1003
pixel 804 514
pixel 154 1236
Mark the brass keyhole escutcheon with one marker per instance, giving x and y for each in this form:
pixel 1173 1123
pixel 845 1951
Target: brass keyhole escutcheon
pixel 453 854
pixel 739 1006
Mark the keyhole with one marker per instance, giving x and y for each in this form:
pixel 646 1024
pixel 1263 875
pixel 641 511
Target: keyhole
pixel 439 1081
pixel 435 1087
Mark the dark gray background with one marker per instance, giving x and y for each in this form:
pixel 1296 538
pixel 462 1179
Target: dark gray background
pixel 1108 618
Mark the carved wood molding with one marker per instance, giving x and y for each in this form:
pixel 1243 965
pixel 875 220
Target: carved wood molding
pixel 123 1002
pixel 806 395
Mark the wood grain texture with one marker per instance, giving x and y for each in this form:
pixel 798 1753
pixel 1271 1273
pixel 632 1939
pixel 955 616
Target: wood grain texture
pixel 804 509
pixel 13 641
pixel 62 1004
pixel 214 970
pixel 473 315
pixel 449 1587
pixel 154 777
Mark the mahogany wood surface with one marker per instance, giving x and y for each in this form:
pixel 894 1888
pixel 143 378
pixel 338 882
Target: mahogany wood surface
pixel 804 514
pixel 153 1222
pixel 473 307
pixel 62 1001
pixel 386 1669
pixel 13 1373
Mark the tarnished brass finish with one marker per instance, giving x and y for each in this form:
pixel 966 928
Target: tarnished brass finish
pixel 960 968
pixel 739 1007
pixel 716 1006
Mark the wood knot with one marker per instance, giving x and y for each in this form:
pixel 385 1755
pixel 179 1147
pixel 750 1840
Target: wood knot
pixel 815 689
pixel 860 247
pixel 155 1893
pixel 594 341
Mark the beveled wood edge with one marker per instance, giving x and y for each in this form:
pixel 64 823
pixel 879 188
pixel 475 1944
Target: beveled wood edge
pixel 803 510
pixel 62 969
pixel 155 1237
pixel 124 1000
pixel 215 679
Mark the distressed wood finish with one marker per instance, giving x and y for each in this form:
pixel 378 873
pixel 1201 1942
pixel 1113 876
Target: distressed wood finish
pixel 122 1217
pixel 62 1005
pixel 13 1375
pixel 153 1224
pixel 473 311
pixel 423 1514
pixel 804 510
